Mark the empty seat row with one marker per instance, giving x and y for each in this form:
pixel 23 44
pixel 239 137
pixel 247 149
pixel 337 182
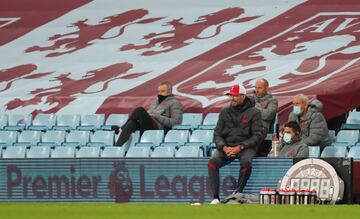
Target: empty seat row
pixel 61 122
pixel 335 151
pixel 95 152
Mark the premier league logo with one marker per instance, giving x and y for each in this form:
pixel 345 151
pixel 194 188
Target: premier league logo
pixel 120 185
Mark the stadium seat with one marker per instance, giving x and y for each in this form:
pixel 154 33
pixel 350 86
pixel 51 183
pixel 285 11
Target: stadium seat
pixel 340 144
pixel 163 152
pixel 353 118
pixel 349 136
pixel 14 152
pixel 210 121
pixel 102 138
pixel 113 152
pixel 138 152
pixel 91 122
pixel 43 122
pixel 202 138
pixel 52 138
pixel 115 119
pixel 132 141
pixel 63 152
pixel 3 120
pixel 190 121
pixel 334 152
pixel 189 151
pixel 28 138
pixel 87 152
pixel 176 136
pixel 38 152
pixel 67 122
pixel 354 152
pixel 77 138
pixel 18 122
pixel 151 138
pixel 8 138
pixel 314 151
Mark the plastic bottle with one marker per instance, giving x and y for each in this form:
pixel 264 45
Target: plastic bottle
pixel 275 145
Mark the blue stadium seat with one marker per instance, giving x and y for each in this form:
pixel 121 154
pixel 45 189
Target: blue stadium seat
pixel 354 152
pixel 87 152
pixel 115 119
pixel 77 138
pixel 190 121
pixel 151 138
pixel 67 122
pixel 43 122
pixel 18 122
pixel 132 141
pixel 138 152
pixel 113 152
pixel 38 152
pixel 314 151
pixel 353 118
pixel 3 120
pixel 8 138
pixel 91 122
pixel 14 152
pixel 189 151
pixel 163 152
pixel 63 152
pixel 202 138
pixel 340 144
pixel 28 138
pixel 177 136
pixel 210 121
pixel 349 136
pixel 102 138
pixel 334 152
pixel 52 138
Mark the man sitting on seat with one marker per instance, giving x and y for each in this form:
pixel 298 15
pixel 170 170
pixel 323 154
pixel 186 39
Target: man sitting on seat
pixel 165 112
pixel 291 145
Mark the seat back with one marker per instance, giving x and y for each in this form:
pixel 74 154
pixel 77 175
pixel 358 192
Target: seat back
pixel 334 152
pixel 92 121
pixel 29 136
pixel 18 122
pixel 350 136
pixel 189 151
pixel 43 122
pixel 190 121
pixel 38 152
pixel 15 152
pixel 210 121
pixel 8 138
pixel 138 152
pixel 354 152
pixel 113 152
pixel 57 137
pixel 204 136
pixel 87 152
pixel 314 151
pixel 77 136
pixel 67 121
pixel 102 138
pixel 353 118
pixel 152 136
pixel 63 152
pixel 117 119
pixel 179 136
pixel 163 152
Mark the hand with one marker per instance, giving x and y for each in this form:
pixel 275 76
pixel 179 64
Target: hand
pixel 232 151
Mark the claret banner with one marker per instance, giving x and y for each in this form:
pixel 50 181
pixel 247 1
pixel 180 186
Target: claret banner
pixel 107 56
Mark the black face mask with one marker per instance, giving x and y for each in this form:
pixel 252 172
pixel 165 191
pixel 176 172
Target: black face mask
pixel 161 98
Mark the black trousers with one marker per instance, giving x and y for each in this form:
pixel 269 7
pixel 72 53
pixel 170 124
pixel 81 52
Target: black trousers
pixel 138 120
pixel 219 159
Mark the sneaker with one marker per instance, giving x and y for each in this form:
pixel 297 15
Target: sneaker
pixel 215 201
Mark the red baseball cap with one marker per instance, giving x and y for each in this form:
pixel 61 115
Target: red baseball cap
pixel 236 90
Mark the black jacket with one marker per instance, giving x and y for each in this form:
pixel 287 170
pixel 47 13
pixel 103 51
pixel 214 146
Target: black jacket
pixel 241 125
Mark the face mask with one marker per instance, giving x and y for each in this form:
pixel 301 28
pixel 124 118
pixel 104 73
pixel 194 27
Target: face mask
pixel 161 98
pixel 287 138
pixel 297 110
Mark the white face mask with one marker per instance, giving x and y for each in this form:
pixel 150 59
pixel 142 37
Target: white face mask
pixel 297 110
pixel 287 138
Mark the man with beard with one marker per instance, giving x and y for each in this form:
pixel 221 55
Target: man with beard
pixel 165 112
pixel 237 135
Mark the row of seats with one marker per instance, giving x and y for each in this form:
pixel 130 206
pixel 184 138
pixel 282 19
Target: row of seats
pixel 96 152
pixel 43 122
pixel 352 121
pixel 335 151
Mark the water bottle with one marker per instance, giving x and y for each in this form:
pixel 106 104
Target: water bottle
pixel 275 147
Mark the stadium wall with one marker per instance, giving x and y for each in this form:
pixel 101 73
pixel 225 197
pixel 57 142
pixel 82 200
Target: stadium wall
pixel 179 180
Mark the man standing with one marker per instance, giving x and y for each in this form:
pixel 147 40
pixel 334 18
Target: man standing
pixel 314 130
pixel 165 112
pixel 237 135
pixel 268 106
